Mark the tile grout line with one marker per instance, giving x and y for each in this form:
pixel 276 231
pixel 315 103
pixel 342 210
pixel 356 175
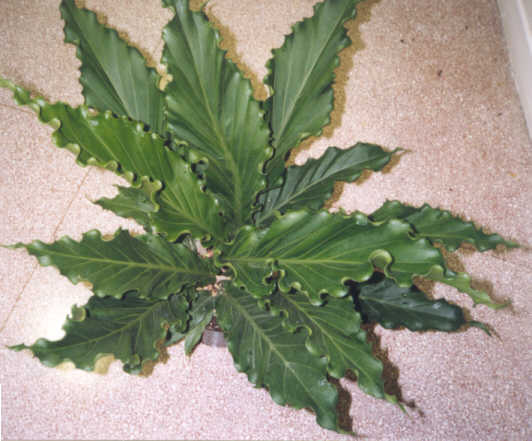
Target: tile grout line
pixel 36 265
pixel 19 296
pixel 8 106
pixel 78 190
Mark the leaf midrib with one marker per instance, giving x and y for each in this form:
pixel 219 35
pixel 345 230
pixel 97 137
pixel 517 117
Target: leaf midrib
pixel 293 261
pixel 215 124
pixel 99 64
pixel 297 96
pixel 329 175
pixel 167 268
pixel 190 218
pixel 339 348
pixel 271 344
pixel 139 318
pixel 396 307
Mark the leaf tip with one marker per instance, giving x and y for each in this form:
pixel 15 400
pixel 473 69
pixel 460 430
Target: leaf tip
pixel 18 348
pixel 13 246
pixel 395 401
pixel 485 327
pixel 493 305
pixel 349 432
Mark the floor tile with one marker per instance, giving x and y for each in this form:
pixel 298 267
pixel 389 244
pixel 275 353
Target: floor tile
pixel 83 215
pixel 38 183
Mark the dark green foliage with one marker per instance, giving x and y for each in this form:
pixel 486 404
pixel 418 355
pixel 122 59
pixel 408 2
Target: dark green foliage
pixel 130 203
pixel 205 164
pixel 301 74
pixel 310 185
pixel 129 328
pixel 440 226
pixel 147 264
pixel 122 82
pixel 382 301
pixel 274 357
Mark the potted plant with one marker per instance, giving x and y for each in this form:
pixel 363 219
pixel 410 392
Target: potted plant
pixel 205 162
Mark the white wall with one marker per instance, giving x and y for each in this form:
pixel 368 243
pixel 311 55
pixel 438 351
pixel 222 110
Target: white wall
pixel 517 23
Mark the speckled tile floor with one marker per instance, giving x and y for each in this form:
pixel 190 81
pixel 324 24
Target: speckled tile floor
pixel 432 77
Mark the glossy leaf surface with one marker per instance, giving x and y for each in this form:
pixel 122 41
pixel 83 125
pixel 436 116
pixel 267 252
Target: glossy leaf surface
pixel 125 147
pixel 391 306
pixel 146 264
pixel 440 226
pixel 129 329
pixel 131 203
pixel 199 157
pixel 201 313
pixel 114 75
pixel 333 331
pixel 301 77
pixel 275 358
pixel 318 252
pixel 211 107
pixel 311 184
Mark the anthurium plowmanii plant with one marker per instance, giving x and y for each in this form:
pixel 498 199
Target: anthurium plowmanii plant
pixel 205 163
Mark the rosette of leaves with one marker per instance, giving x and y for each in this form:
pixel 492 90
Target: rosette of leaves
pixel 205 163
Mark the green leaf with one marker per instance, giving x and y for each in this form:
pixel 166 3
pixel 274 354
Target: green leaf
pixel 201 313
pixel 317 253
pixel 146 264
pixel 440 226
pixel 130 203
pixel 175 335
pixel 301 74
pixel 211 107
pixel 129 328
pixel 124 146
pixel 391 306
pixel 311 184
pixel 275 358
pixel 392 210
pixel 333 331
pixel 114 75
pixel 249 265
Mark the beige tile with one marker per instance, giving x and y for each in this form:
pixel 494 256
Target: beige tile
pixel 38 183
pixel 140 23
pixel 83 215
pixel 39 179
pixel 126 407
pixel 469 151
pixel 42 308
pixel 33 51
pixel 463 381
pixel 16 270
